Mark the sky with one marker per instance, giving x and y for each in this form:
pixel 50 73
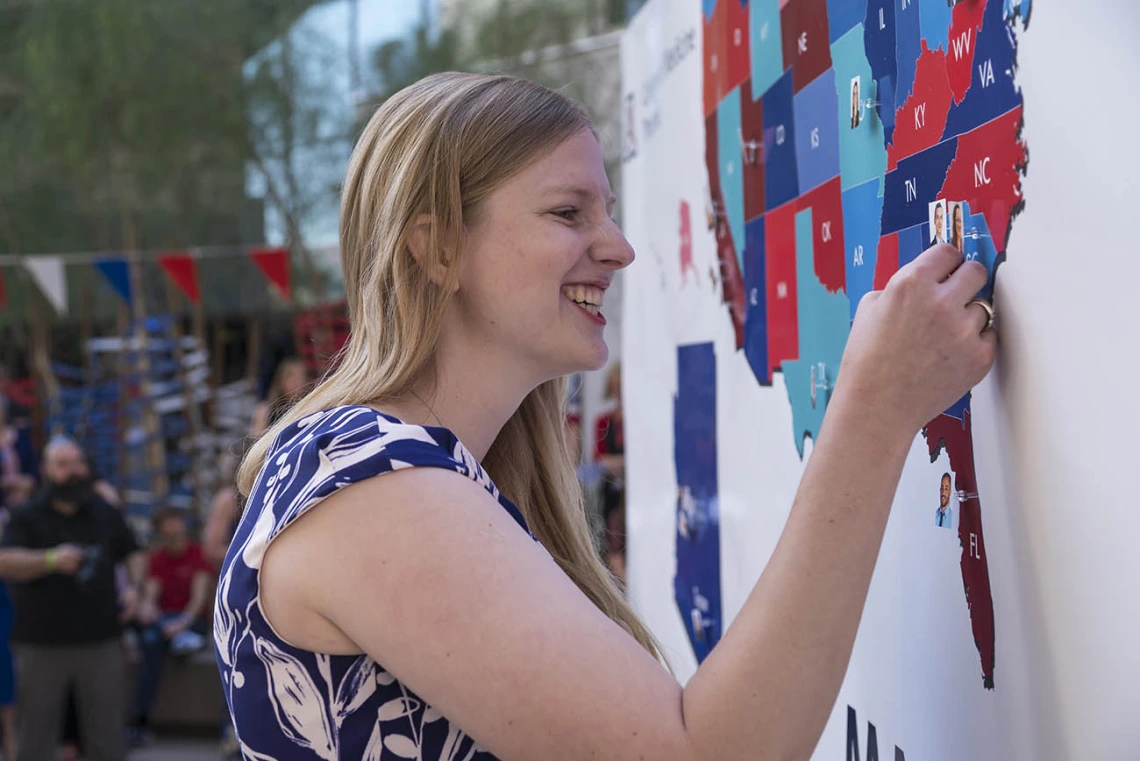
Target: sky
pixel 379 21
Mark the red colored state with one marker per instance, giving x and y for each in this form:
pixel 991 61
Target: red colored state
pixel 712 162
pixel 956 437
pixel 712 77
pixel 826 203
pixel 726 56
pixel 807 46
pixel 686 236
pixel 921 119
pixel 887 261
pixel 731 278
pixel 964 28
pixel 986 173
pixel 752 134
pixel 780 269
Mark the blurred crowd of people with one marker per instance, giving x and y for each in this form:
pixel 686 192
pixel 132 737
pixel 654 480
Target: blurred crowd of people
pixel 81 600
pixel 600 460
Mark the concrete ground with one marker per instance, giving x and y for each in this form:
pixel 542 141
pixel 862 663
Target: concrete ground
pixel 178 750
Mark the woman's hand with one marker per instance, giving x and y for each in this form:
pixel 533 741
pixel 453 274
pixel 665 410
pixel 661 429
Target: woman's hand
pixel 917 346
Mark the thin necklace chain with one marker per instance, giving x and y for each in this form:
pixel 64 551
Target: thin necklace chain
pixel 421 401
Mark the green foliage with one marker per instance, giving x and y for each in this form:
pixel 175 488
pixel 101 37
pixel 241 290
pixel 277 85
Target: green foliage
pixel 123 123
pixel 498 34
pixel 400 62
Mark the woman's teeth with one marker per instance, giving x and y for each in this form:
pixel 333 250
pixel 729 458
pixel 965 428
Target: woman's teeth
pixel 586 296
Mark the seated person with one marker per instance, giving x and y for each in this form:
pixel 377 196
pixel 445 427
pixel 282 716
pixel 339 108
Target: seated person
pixel 174 602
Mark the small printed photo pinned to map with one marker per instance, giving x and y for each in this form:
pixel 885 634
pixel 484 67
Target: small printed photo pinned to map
pixel 694 514
pixel 956 224
pixel 944 515
pixel 856 102
pixel 938 233
pixel 698 624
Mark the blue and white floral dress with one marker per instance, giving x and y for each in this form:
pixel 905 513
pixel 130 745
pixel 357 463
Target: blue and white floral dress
pixel 289 703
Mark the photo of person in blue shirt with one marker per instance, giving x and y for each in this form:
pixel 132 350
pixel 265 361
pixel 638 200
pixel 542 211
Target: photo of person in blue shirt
pixel 944 516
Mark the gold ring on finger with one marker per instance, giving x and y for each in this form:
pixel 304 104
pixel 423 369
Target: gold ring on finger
pixel 990 314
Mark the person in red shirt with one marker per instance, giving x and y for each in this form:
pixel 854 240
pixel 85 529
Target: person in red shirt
pixel 609 453
pixel 171 614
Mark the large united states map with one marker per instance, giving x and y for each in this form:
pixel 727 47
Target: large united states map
pixel 833 130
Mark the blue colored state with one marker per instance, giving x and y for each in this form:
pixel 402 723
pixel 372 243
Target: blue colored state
pixel 697 583
pixel 1017 8
pixel 914 185
pixel 908 46
pixel 879 43
pixel 862 149
pixel 781 178
pixel 980 247
pixel 730 156
pixel 959 408
pixel 992 90
pixel 766 47
pixel 935 17
pixel 843 15
pixel 912 242
pixel 862 209
pixel 824 323
pixel 817 134
pixel 756 306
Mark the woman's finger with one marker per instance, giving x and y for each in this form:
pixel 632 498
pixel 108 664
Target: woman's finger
pixel 968 280
pixel 938 262
pixel 980 314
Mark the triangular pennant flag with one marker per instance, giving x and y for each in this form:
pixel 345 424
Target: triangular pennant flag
pixel 183 270
pixel 118 274
pixel 274 264
pixel 47 271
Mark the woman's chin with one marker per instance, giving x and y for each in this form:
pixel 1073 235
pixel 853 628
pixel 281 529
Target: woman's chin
pixel 590 359
pixel 599 356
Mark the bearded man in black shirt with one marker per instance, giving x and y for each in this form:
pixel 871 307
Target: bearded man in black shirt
pixel 59 553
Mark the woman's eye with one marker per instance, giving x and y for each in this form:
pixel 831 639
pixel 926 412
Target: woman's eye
pixel 567 214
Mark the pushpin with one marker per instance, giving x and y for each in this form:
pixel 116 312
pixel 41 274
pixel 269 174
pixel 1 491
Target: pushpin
pixel 753 151
pixel 966 496
pixel 698 625
pixel 819 381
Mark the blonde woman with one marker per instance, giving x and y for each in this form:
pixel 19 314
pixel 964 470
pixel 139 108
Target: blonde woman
pixel 414 577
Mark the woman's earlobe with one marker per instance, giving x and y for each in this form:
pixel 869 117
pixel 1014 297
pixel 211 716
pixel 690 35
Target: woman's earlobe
pixel 434 264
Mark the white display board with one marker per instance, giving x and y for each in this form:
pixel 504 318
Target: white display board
pixel 1052 427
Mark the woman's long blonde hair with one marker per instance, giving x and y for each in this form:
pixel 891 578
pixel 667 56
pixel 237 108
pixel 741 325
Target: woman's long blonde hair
pixel 440 147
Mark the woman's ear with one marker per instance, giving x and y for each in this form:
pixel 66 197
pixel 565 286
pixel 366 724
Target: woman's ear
pixel 433 263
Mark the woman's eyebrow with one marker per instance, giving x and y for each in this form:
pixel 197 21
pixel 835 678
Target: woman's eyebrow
pixel 578 190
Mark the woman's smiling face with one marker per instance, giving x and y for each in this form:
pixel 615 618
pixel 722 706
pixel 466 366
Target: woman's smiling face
pixel 537 260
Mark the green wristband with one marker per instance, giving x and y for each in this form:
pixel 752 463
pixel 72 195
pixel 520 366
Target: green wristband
pixel 49 559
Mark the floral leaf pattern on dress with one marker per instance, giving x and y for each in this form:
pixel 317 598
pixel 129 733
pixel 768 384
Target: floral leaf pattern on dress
pixel 293 693
pixel 357 686
pixel 402 746
pixel 290 704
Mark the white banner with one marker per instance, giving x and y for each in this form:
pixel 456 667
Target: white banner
pixel 819 190
pixel 48 273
